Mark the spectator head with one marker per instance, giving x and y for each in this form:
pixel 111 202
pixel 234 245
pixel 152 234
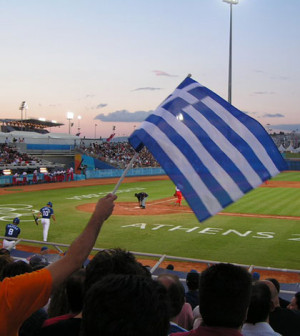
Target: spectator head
pixel 112 261
pixel 36 260
pixel 295 303
pixel 192 280
pixel 68 297
pixel 15 268
pixel 170 267
pixel 175 293
pixel 126 305
pixel 274 294
pixel 4 251
pixel 4 260
pixel 74 290
pixel 260 303
pixel 224 295
pixel 276 283
pixel 16 221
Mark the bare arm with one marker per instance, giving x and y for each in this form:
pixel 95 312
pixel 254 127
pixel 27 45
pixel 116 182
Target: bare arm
pixel 53 217
pixel 81 247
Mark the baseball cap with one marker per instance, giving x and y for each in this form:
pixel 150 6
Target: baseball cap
pixel 43 248
pixel 38 260
pixel 255 276
pixel 49 203
pixel 16 220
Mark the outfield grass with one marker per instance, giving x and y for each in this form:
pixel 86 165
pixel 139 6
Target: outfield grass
pixel 258 241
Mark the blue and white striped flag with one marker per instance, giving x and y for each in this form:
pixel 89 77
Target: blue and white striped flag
pixel 213 152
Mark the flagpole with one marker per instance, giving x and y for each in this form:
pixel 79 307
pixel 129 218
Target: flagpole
pixel 125 172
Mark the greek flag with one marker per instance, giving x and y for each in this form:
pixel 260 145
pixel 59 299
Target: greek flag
pixel 213 152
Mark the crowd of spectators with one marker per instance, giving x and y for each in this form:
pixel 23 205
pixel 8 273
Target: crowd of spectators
pixel 116 295
pixel 119 154
pixel 9 155
pixel 24 168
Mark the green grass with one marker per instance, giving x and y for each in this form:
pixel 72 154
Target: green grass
pixel 287 176
pixel 258 241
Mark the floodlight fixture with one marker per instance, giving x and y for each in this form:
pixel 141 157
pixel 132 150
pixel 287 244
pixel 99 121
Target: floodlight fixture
pixel 232 2
pixel 70 116
pixel 6 172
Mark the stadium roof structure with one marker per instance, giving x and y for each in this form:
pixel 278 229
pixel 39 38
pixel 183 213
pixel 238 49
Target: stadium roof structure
pixel 30 123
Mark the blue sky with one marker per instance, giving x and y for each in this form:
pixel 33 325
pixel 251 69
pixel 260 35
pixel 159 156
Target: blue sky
pixel 99 57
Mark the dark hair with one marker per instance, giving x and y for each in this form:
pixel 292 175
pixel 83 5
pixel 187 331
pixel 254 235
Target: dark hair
pixel 192 280
pixel 68 297
pixel 15 268
pixel 260 303
pixel 176 298
pixel 170 267
pixel 175 292
pixel 4 260
pixel 127 305
pixel 276 283
pixel 224 295
pixel 4 251
pixel 113 261
pixel 38 259
pixel 297 297
pixel 74 289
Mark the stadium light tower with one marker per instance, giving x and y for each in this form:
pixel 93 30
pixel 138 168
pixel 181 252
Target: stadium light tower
pixel 230 2
pixel 70 116
pixel 23 107
pixel 96 130
pixel 79 118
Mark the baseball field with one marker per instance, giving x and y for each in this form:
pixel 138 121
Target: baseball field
pixel 262 228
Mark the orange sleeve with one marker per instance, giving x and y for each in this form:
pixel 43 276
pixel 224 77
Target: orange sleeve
pixel 21 296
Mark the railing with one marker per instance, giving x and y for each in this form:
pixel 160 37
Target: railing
pixel 161 257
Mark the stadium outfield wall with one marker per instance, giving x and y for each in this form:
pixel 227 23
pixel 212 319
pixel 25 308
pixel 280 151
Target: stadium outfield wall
pixel 106 173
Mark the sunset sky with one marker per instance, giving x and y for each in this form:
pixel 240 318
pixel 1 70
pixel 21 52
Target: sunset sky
pixel 112 61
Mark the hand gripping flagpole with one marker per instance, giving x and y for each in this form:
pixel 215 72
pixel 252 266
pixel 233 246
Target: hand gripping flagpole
pixel 125 172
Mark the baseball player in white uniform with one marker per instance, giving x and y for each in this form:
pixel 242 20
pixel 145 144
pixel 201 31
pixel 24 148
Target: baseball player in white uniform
pixel 47 213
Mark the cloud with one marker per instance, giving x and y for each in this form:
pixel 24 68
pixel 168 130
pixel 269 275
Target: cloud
pixel 280 77
pixel 99 106
pixel 250 112
pixel 274 115
pixel 286 127
pixel 147 88
pixel 89 96
pixel 264 92
pixel 162 73
pixel 271 76
pixel 124 116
